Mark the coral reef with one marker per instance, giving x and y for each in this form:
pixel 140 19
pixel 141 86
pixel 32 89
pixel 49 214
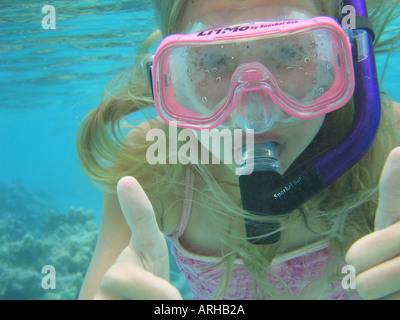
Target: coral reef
pixel 33 235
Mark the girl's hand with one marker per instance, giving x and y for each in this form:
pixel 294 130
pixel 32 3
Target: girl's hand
pixel 376 257
pixel 142 269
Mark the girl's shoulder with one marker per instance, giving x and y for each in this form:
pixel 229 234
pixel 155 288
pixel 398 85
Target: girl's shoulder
pixel 396 107
pixel 396 110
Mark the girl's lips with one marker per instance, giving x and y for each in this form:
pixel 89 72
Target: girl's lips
pixel 260 138
pixel 268 137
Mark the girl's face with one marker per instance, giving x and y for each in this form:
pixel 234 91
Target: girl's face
pixel 292 137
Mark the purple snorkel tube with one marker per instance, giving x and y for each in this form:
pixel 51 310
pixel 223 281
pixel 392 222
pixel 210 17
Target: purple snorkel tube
pixel 264 192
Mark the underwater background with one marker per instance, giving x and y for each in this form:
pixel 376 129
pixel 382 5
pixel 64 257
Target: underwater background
pixel 49 80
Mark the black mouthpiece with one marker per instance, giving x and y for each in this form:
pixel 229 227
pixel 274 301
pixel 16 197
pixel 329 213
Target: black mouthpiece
pixel 265 193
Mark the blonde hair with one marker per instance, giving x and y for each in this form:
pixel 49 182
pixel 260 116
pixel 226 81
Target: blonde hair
pixel 346 208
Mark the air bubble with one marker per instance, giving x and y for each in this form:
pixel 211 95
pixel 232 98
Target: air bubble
pixel 218 79
pixel 232 58
pixel 329 66
pixel 203 83
pixel 307 60
pixel 214 69
pixel 204 99
pixel 206 71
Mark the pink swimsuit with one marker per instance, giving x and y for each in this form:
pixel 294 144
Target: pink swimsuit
pixel 297 269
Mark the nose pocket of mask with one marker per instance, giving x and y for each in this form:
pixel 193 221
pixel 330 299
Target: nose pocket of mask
pixel 255 111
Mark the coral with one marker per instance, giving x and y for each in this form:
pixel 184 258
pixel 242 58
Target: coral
pixel 33 235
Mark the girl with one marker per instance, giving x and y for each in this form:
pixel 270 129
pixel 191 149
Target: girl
pixel 198 206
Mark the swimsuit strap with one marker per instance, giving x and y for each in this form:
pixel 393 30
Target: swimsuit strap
pixel 187 206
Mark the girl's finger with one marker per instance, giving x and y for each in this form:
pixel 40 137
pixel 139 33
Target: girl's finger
pixel 147 239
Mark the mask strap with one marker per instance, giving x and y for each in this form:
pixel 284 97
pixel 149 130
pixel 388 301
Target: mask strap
pixel 365 24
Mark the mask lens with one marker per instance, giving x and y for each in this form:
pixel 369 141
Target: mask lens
pixel 306 73
pixel 203 75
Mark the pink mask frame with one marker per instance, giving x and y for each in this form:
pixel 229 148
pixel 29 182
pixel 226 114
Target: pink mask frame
pixel 339 93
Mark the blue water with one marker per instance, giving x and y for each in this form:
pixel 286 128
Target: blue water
pixel 49 80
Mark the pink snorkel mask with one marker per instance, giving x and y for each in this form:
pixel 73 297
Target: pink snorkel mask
pixel 254 73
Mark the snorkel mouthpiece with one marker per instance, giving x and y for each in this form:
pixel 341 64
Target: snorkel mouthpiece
pixel 264 177
pixel 265 193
